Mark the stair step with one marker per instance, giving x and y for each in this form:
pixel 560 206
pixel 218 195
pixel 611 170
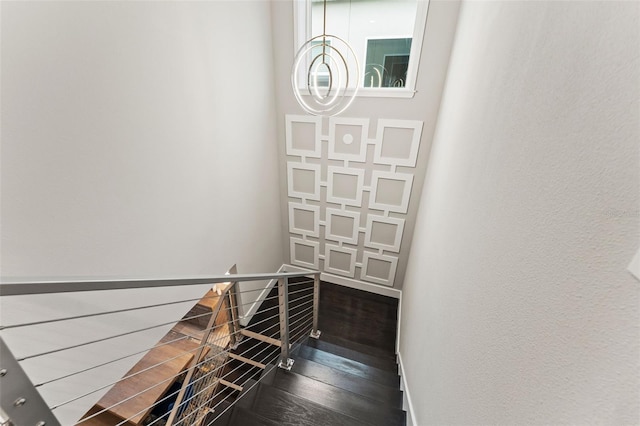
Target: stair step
pixel 359 347
pixel 383 394
pixel 339 400
pixel 356 368
pixel 365 358
pixel 286 409
pixel 243 417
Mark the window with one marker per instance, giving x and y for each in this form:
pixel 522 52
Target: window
pixel 387 62
pixel 386 37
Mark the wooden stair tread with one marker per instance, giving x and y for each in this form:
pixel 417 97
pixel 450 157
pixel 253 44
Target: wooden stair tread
pixel 289 410
pixel 340 400
pixel 386 395
pixel 349 366
pixel 365 358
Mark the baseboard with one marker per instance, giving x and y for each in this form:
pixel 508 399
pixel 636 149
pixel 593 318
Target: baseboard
pixel 407 405
pixel 351 283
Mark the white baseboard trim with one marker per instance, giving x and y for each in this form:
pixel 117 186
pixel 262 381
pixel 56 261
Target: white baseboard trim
pixel 351 283
pixel 407 405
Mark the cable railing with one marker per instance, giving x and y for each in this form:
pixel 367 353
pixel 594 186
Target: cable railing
pixel 206 360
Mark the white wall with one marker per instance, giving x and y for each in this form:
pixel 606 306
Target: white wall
pixel 517 306
pixel 137 140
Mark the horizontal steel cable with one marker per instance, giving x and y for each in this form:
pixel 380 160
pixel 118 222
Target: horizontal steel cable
pixel 142 371
pixel 176 392
pixel 109 338
pixel 27 324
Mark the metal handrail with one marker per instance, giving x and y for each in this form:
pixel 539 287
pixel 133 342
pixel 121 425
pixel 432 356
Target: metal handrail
pixel 50 287
pixel 227 298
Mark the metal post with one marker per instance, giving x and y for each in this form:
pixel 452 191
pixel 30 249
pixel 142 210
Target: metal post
pixel 195 361
pixel 315 333
pixel 234 325
pixel 19 399
pixel 283 304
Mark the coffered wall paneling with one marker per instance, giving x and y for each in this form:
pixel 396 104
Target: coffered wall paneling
pixel 349 193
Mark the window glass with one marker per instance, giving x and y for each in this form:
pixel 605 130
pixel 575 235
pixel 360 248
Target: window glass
pixel 379 31
pixel 387 62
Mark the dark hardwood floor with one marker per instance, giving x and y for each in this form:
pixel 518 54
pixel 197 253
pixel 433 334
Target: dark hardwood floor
pixel 358 320
pixel 347 377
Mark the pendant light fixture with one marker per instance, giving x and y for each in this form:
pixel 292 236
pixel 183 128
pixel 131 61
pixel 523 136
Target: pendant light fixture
pixel 328 65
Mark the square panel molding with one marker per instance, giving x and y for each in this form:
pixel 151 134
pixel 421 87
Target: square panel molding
pixel 348 139
pixel 345 185
pixel 304 253
pixel 390 191
pixel 378 268
pixel 335 223
pixel 304 219
pixel 384 233
pixel 340 260
pixel 338 178
pixel 397 142
pixel 303 180
pixel 303 135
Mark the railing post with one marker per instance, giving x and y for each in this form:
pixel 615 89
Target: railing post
pixel 234 324
pixel 19 399
pixel 283 304
pixel 195 361
pixel 315 333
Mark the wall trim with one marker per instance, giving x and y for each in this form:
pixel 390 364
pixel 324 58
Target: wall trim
pixel 407 405
pixel 351 283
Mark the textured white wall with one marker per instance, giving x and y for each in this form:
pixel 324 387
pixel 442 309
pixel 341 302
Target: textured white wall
pixel 517 305
pixel 138 139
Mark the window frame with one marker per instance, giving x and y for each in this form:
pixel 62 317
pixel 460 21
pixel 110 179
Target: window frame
pixel 302 33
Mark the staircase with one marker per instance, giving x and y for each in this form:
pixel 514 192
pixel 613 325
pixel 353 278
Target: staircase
pixel 334 381
pixel 269 372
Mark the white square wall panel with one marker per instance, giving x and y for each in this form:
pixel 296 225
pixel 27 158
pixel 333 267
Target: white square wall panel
pixel 303 135
pixel 344 185
pixel 397 142
pixel 304 253
pixel 340 260
pixel 303 180
pixel 384 233
pixel 348 139
pixel 390 191
pixel 378 268
pixel 304 219
pixel 342 225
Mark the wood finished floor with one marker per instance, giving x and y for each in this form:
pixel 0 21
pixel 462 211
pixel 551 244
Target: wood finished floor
pixel 358 317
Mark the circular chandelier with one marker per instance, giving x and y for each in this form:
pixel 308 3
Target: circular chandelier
pixel 328 65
